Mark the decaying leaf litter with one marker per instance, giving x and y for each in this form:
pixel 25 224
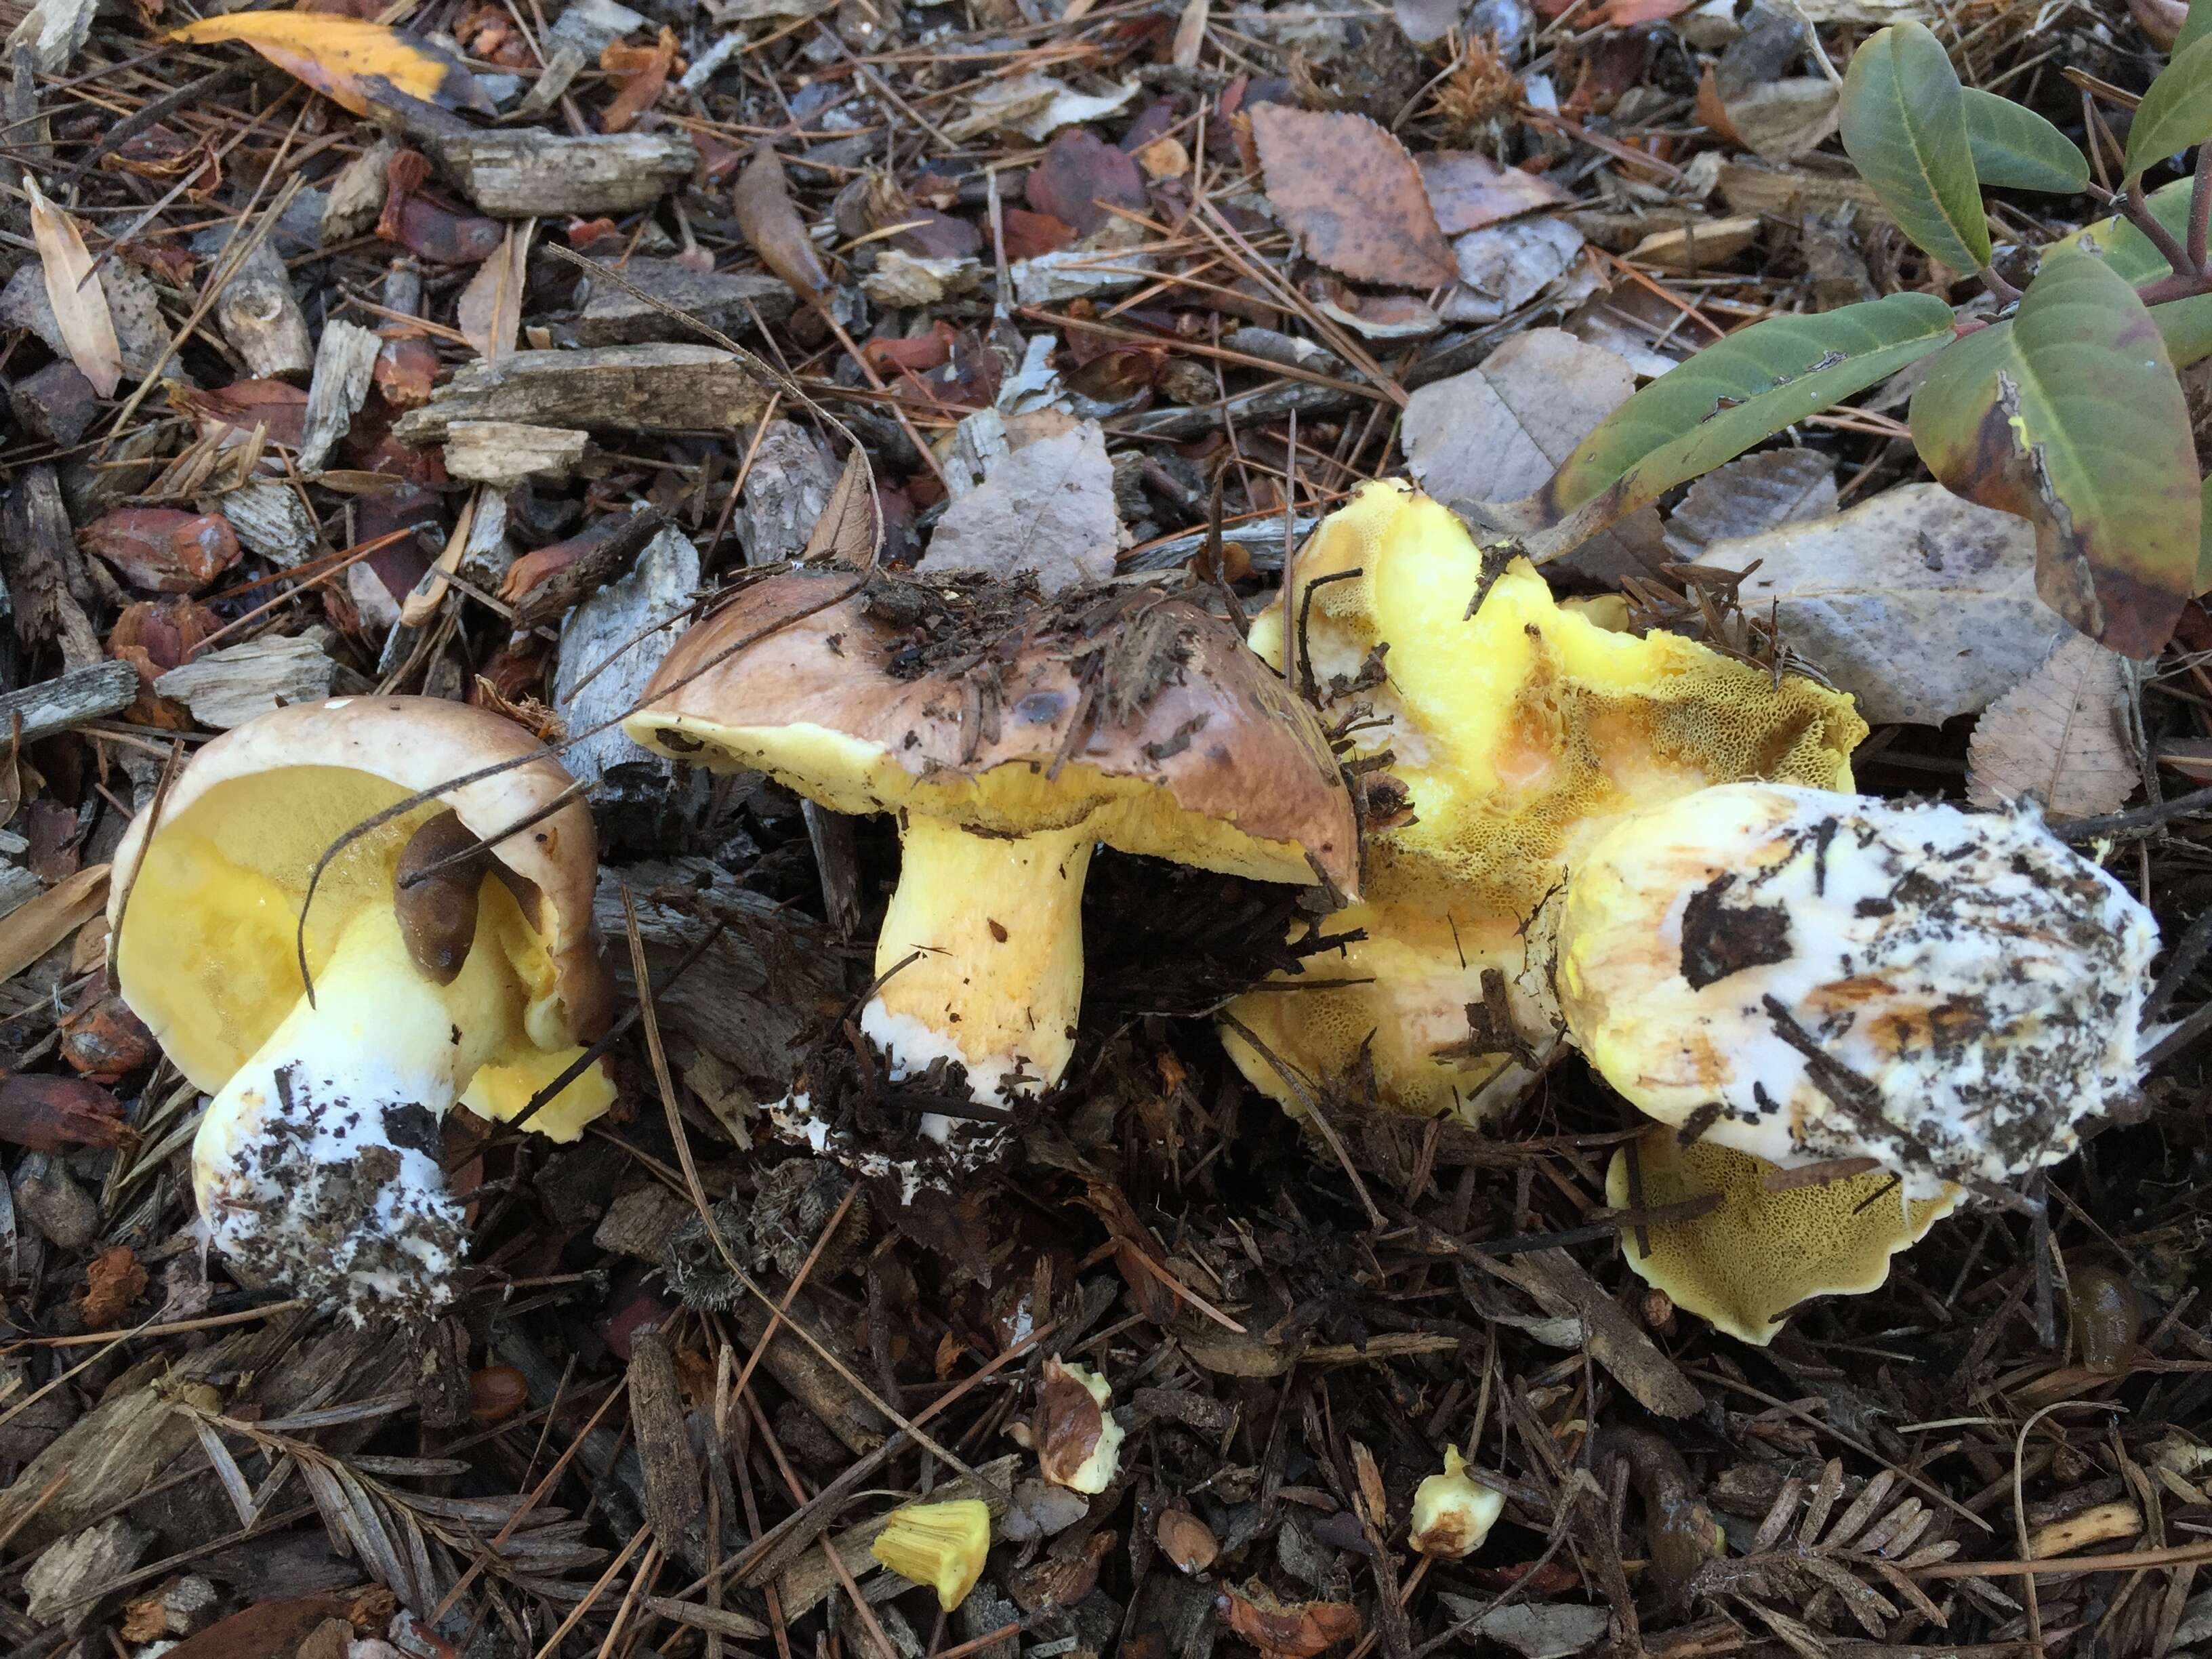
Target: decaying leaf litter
pixel 477 352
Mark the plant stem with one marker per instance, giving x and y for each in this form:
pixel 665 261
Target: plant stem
pixel 2139 215
pixel 2200 211
pixel 2000 290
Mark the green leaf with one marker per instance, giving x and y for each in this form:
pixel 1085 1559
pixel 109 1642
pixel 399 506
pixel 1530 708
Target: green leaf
pixel 2015 148
pixel 2185 325
pixel 2204 544
pixel 1904 118
pixel 2070 417
pixel 2194 28
pixel 1727 398
pixel 2176 113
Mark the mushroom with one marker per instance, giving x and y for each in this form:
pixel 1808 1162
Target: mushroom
pixel 317 1164
pixel 1010 736
pixel 1808 976
pixel 1519 733
pixel 1767 1244
pixel 939 1547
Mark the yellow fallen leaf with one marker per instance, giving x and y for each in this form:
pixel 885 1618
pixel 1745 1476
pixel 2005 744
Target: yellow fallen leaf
pixel 346 59
pixel 80 303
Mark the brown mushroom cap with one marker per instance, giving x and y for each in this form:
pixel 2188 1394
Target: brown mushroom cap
pixel 271 795
pixel 1161 726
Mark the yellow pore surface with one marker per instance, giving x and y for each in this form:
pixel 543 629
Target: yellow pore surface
pixel 1759 1254
pixel 1521 734
pixel 207 955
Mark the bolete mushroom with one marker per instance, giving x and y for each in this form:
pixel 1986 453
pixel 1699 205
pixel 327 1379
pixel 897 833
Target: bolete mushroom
pixel 1520 734
pixel 1768 1243
pixel 318 1164
pixel 1011 737
pixel 1808 976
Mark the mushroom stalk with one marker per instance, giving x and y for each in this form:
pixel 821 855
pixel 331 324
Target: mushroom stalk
pixel 318 1164
pixel 994 929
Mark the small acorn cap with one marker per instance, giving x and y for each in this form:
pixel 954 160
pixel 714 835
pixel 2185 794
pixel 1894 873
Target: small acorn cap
pixel 1453 1512
pixel 939 1547
pixel 1517 735
pixel 1760 1252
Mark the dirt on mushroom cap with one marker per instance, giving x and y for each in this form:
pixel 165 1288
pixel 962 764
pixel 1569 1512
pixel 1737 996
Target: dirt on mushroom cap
pixel 1011 713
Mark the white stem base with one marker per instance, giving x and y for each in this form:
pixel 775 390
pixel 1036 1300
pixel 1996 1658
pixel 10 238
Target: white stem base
pixel 318 1164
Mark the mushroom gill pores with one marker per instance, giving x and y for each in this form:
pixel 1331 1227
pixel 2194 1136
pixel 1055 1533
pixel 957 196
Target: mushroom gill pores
pixel 1010 736
pixel 1521 734
pixel 317 1163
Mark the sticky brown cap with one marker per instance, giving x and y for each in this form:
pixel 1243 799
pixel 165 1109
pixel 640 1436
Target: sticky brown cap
pixel 1126 707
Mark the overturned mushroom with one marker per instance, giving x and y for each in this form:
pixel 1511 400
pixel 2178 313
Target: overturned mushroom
pixel 1769 1240
pixel 1519 734
pixel 318 1162
pixel 1807 976
pixel 1010 737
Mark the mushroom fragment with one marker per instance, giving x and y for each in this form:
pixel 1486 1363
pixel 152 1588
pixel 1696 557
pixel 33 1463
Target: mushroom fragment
pixel 1453 1512
pixel 939 1547
pixel 317 1163
pixel 1520 734
pixel 1011 737
pixel 1810 976
pixel 1767 1244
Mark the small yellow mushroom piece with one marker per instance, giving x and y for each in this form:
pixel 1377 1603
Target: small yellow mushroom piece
pixel 1521 734
pixel 1744 1264
pixel 940 1546
pixel 1453 1512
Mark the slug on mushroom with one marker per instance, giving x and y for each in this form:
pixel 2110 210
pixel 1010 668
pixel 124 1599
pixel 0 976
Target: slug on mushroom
pixel 317 1163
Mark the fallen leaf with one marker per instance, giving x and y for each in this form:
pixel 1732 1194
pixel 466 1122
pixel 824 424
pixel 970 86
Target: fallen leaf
pixel 1781 121
pixel 1627 14
pixel 113 1280
pixel 1048 507
pixel 1538 1631
pixel 277 407
pixel 850 531
pixel 1081 179
pixel 1041 1510
pixel 1753 492
pixel 1499 430
pixel 767 219
pixel 102 1041
pixel 1921 605
pixel 2060 735
pixel 1505 267
pixel 1424 22
pixel 1031 236
pixel 49 1114
pixel 642 74
pixel 489 310
pixel 1467 191
pixel 79 304
pixel 1068 1425
pixel 1284 1630
pixel 162 550
pixel 267 1629
pixel 348 61
pixel 1353 196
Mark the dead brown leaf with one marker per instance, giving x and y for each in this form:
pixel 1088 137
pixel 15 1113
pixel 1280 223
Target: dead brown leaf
pixel 1048 507
pixel 850 531
pixel 1081 179
pixel 771 224
pixel 1467 191
pixel 1286 1630
pixel 113 1280
pixel 1353 196
pixel 33 929
pixel 643 72
pixel 2060 735
pixel 79 303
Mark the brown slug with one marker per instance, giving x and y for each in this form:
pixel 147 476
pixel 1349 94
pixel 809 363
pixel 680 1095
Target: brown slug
pixel 438 912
